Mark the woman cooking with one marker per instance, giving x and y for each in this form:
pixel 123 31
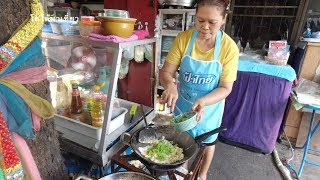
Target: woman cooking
pixel 208 61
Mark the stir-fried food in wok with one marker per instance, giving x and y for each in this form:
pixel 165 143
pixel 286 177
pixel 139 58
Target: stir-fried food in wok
pixel 163 152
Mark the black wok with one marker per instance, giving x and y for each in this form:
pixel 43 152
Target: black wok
pixel 127 176
pixel 184 140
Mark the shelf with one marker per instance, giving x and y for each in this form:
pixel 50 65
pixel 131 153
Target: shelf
pixel 271 16
pixel 282 7
pixel 85 147
pixel 170 32
pixel 176 11
pixel 86 41
pixel 165 50
pixel 62 8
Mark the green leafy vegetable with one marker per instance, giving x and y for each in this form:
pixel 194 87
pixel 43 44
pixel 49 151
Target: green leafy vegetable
pixel 161 149
pixel 181 119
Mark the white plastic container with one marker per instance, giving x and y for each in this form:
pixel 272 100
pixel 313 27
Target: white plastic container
pixel 66 125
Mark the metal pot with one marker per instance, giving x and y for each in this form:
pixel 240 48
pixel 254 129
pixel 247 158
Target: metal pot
pixel 184 140
pixel 128 176
pixel 188 3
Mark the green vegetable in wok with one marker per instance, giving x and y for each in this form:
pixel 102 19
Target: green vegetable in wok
pixel 161 149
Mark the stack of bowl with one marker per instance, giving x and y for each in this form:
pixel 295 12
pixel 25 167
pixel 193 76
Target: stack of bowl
pixel 88 25
pixel 117 22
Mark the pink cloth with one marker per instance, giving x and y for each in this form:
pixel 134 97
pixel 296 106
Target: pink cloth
pixel 35 121
pixel 112 38
pixel 29 166
pixel 29 76
pixel 142 34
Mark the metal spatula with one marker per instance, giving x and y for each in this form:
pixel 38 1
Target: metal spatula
pixel 148 134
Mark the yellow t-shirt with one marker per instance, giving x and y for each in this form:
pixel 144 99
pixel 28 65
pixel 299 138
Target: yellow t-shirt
pixel 229 54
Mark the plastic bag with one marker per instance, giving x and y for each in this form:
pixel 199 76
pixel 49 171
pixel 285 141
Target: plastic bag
pixel 124 69
pixel 148 52
pixel 128 53
pixel 139 53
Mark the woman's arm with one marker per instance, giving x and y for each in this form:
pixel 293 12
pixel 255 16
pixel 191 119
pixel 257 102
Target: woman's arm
pixel 166 76
pixel 218 94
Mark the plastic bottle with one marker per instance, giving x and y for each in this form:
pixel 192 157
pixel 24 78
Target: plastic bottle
pixel 307 33
pixel 97 113
pixel 76 102
pixel 239 45
pixel 247 48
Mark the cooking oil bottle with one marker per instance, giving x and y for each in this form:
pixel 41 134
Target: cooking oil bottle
pixel 97 113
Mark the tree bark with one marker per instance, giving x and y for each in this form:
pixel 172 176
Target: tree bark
pixel 13 13
pixel 45 147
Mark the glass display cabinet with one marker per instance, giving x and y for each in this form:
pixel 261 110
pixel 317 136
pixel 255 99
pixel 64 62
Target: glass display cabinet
pixel 76 60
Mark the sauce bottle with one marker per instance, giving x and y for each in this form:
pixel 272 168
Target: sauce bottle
pixel 76 102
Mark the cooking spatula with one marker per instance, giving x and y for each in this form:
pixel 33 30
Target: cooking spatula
pixel 148 134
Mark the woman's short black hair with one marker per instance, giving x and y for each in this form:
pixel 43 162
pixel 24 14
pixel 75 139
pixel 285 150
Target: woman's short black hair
pixel 222 4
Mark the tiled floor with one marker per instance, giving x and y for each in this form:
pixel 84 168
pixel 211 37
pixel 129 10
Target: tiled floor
pixel 239 164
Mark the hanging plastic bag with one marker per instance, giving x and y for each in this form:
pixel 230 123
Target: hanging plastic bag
pixel 139 54
pixel 124 69
pixel 128 53
pixel 148 52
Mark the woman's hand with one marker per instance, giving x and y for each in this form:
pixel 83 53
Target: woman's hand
pixel 170 96
pixel 198 106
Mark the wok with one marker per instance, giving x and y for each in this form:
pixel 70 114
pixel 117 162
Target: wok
pixel 127 176
pixel 188 3
pixel 184 140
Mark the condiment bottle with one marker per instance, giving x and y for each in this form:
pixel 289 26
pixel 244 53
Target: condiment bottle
pixel 76 102
pixel 97 113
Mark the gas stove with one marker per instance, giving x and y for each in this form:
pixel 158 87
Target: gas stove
pixel 123 160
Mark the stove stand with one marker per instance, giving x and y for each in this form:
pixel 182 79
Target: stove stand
pixel 120 160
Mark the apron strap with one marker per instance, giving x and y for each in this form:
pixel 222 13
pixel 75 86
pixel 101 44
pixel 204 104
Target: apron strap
pixel 216 47
pixel 193 39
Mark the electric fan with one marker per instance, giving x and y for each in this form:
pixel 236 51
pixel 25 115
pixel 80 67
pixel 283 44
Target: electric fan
pixel 83 59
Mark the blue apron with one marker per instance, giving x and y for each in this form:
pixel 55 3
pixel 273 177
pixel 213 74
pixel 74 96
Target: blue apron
pixel 198 78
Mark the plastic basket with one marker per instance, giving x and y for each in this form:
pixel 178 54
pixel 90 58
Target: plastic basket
pixel 65 27
pixel 186 125
pixel 88 27
pixel 76 128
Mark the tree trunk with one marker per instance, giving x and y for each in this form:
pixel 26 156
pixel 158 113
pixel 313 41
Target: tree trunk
pixel 45 147
pixel 13 13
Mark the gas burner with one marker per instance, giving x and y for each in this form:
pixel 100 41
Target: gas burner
pixel 122 160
